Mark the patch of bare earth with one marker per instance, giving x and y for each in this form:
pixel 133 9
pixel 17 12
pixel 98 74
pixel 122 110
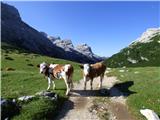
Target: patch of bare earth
pixel 82 106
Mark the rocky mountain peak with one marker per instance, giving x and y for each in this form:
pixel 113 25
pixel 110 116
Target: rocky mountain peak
pixel 65 44
pixel 84 48
pixel 68 46
pixel 9 12
pixel 44 34
pixel 147 35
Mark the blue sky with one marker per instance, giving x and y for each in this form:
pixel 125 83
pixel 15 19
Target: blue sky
pixel 106 26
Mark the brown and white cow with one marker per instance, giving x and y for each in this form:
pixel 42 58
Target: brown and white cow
pixel 57 71
pixel 90 71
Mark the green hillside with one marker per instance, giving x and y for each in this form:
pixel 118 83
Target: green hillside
pixel 20 76
pixel 142 54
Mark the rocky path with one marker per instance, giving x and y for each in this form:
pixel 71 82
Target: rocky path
pixel 80 101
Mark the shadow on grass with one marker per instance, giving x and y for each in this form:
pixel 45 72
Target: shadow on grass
pixel 67 106
pixel 122 89
pixel 119 89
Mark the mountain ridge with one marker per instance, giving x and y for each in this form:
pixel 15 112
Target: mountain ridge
pixel 67 45
pixel 144 51
pixel 17 33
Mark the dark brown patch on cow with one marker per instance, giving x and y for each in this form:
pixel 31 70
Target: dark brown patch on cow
pixel 70 71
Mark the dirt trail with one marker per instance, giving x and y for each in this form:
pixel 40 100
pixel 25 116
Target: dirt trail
pixel 77 107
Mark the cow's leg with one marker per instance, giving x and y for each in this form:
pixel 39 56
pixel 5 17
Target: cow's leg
pixel 67 85
pixel 54 86
pixel 49 83
pixel 101 80
pixel 70 82
pixel 66 80
pixel 85 82
pixel 91 82
pixel 68 89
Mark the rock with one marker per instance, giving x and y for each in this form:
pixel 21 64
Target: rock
pixel 147 35
pixel 121 70
pixel 44 34
pixel 87 51
pixel 9 109
pixel 144 58
pixel 26 98
pixel 132 60
pixel 149 114
pixel 136 72
pixel 46 94
pixel 65 44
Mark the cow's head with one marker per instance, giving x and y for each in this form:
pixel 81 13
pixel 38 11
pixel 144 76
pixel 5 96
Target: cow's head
pixel 86 68
pixel 43 67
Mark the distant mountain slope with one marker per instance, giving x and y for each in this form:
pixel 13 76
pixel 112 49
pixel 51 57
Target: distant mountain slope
pixel 67 45
pixel 145 51
pixel 17 33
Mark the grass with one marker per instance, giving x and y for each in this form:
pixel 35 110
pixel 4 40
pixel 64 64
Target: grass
pixel 37 109
pixel 146 85
pixel 20 76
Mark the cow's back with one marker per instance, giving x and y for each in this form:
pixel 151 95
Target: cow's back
pixel 97 69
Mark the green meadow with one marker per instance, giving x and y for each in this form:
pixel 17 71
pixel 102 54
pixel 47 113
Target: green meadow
pixel 20 76
pixel 143 92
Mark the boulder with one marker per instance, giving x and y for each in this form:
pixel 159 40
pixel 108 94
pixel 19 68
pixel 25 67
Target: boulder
pixel 48 94
pixel 9 108
pixel 149 114
pixel 26 98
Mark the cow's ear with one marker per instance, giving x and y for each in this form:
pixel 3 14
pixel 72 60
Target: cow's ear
pixel 81 66
pixel 38 65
